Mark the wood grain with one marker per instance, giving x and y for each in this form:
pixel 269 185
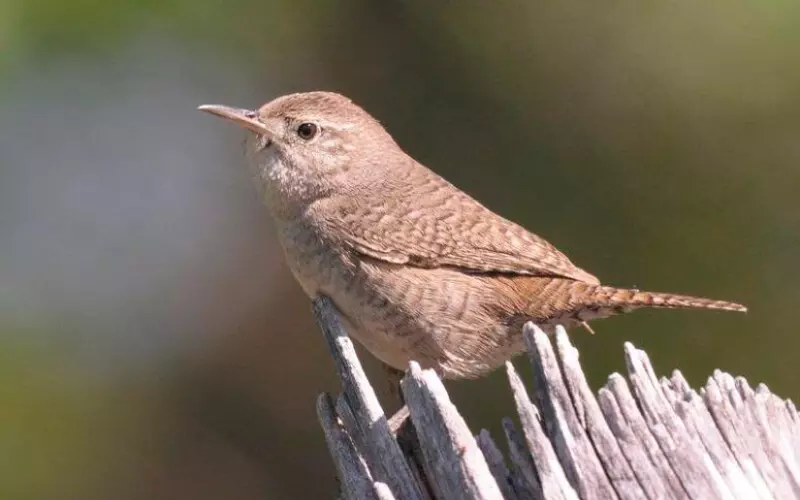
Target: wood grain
pixel 640 437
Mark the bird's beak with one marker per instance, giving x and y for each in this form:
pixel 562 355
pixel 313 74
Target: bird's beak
pixel 242 117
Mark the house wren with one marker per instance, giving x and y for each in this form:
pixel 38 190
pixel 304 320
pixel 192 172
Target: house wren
pixel 418 269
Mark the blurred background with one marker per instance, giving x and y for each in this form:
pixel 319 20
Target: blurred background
pixel 154 345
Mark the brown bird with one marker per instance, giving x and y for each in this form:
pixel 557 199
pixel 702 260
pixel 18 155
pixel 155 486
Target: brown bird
pixel 418 269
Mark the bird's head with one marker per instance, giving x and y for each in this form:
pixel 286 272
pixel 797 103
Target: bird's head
pixel 311 145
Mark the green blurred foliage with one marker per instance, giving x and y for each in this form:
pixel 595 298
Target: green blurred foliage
pixel 59 428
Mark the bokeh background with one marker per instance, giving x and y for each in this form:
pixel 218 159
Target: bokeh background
pixel 152 342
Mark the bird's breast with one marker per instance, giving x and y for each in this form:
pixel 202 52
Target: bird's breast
pixel 317 266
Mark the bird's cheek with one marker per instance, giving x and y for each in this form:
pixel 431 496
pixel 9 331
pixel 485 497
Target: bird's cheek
pixel 260 143
pixel 273 169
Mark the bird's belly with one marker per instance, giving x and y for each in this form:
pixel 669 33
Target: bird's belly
pixel 367 317
pixel 440 318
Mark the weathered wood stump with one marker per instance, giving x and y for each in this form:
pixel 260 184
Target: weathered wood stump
pixel 640 438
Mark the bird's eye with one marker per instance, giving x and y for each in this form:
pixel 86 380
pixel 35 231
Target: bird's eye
pixel 307 131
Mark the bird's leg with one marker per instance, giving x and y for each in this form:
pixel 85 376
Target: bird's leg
pixel 403 430
pixel 399 419
pixel 393 377
pixel 401 427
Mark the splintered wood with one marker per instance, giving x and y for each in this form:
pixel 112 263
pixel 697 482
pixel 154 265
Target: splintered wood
pixel 639 438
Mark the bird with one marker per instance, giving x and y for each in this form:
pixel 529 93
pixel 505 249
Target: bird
pixel 417 268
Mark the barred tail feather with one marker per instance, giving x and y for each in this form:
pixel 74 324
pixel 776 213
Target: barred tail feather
pixel 553 301
pixel 609 297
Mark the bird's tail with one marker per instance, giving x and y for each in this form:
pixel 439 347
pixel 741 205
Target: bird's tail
pixel 603 297
pixel 575 302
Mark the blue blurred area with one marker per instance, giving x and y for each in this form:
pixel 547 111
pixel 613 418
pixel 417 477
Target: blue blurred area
pixel 152 342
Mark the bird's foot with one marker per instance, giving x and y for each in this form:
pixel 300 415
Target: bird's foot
pixel 397 420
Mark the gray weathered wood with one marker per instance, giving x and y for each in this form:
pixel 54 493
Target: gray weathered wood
pixel 383 456
pixel 523 473
pixel 459 468
pixel 657 476
pixel 356 480
pixel 715 402
pixel 686 456
pixel 497 464
pixel 639 438
pixel 552 480
pixel 382 491
pixel 572 445
pixel 691 409
pixel 594 423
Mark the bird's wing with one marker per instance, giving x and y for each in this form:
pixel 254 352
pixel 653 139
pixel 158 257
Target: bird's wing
pixel 442 226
